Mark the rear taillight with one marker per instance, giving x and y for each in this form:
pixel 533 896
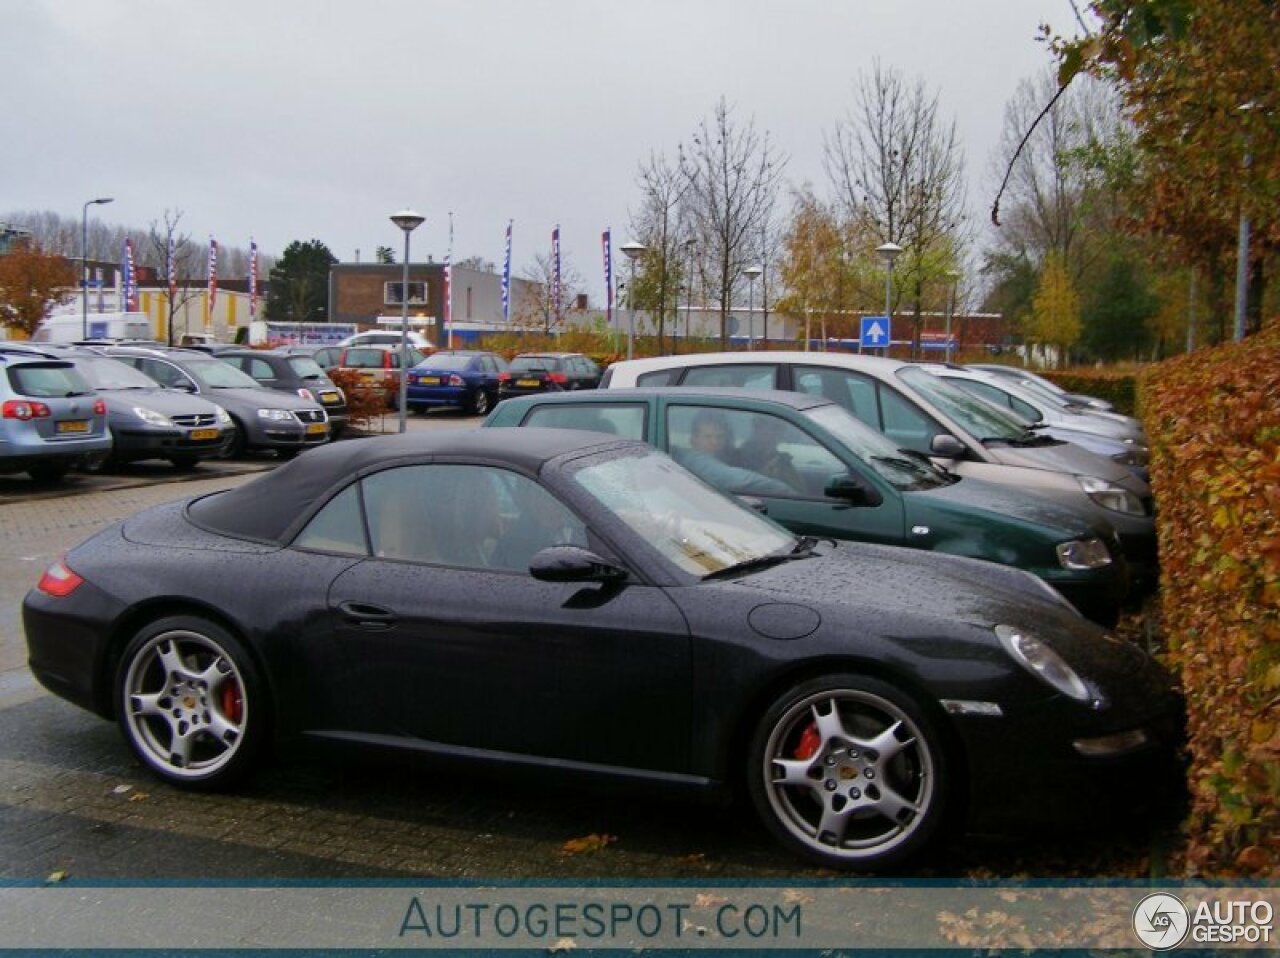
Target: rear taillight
pixel 504 377
pixel 59 581
pixel 455 380
pixel 305 393
pixel 558 378
pixel 24 410
pixel 99 408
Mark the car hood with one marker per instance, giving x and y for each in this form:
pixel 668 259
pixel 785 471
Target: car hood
pixel 893 591
pixel 260 399
pixel 1004 502
pixel 1063 457
pixel 167 402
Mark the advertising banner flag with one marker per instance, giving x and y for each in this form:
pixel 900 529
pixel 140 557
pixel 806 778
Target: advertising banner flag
pixel 253 278
pixel 448 288
pixel 608 278
pixel 506 278
pixel 213 273
pixel 555 272
pixel 130 278
pixel 171 268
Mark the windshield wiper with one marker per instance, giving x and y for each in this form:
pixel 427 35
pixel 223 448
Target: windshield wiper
pixel 803 549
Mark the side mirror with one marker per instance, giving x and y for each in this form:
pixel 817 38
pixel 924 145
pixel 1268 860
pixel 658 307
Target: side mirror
pixel 947 446
pixel 573 564
pixel 853 490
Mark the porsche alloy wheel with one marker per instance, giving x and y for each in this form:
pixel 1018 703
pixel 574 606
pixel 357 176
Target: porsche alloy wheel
pixel 189 702
pixel 849 772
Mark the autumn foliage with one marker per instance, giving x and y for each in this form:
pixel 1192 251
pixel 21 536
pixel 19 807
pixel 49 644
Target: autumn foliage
pixel 1214 421
pixel 31 283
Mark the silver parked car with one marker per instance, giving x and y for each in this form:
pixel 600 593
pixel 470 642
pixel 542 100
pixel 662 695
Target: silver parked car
pixel 51 420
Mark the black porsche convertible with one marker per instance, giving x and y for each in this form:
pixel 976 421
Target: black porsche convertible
pixel 577 603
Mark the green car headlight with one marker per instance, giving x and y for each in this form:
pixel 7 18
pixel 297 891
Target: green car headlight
pixel 1083 554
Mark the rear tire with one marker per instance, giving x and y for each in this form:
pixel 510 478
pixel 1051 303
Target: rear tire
pixel 479 403
pixel 191 703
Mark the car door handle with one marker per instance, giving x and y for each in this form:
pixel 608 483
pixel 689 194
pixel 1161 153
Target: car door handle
pixel 367 616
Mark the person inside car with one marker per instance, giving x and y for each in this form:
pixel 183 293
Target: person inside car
pixel 709 456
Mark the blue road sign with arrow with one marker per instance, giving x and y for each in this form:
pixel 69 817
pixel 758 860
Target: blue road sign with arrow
pixel 875 331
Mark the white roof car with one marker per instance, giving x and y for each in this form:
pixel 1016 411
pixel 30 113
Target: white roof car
pixel 388 337
pixel 925 414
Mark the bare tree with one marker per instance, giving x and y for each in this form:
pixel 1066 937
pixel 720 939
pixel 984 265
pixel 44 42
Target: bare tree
pixel 898 171
pixel 178 257
pixel 536 308
pixel 663 226
pixel 735 173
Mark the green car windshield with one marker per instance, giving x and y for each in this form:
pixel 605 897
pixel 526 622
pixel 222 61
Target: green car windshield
pixel 979 418
pixel 693 526
pixel 898 468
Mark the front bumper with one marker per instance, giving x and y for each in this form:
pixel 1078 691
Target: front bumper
pixel 160 443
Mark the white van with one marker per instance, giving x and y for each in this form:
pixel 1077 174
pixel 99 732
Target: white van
pixel 73 327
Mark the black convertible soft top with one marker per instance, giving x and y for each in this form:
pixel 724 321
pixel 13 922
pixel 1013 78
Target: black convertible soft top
pixel 268 508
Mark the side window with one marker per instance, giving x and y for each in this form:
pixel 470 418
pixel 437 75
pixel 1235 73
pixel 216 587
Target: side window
pixel 855 392
pixel 749 452
pixel 747 376
pixel 904 423
pixel 261 370
pixel 338 527
pixel 475 517
pixel 659 377
pixel 166 374
pixel 627 421
pixel 1026 410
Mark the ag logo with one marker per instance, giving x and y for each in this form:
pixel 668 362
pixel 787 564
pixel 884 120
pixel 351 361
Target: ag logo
pixel 1161 921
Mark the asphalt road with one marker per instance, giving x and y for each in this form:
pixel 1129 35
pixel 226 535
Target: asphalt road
pixel 73 801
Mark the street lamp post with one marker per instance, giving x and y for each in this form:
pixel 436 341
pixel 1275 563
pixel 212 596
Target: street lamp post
pixel 691 245
pixel 752 273
pixel 888 252
pixel 84 263
pixel 954 276
pixel 634 251
pixel 408 221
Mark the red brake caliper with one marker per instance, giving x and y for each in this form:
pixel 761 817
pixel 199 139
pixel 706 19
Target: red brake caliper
pixel 810 742
pixel 232 702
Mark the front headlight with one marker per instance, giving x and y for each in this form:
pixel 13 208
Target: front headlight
pixel 275 415
pixel 1083 554
pixel 1110 496
pixel 224 417
pixel 152 417
pixel 1041 661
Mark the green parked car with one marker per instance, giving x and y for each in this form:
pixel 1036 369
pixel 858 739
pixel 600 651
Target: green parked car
pixel 818 471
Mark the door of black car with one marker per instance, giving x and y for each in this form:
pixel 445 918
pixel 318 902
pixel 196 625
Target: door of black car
pixel 448 639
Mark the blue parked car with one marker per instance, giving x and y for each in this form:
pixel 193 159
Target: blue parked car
pixel 463 378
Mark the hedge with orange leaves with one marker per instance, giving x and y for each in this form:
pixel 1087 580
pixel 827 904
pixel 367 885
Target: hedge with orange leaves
pixel 1213 418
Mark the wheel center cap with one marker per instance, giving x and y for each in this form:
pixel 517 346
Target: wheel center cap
pixel 847 773
pixel 188 702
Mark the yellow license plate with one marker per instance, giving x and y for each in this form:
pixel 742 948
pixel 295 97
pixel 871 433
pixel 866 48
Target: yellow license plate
pixel 329 399
pixel 369 377
pixel 73 425
pixel 317 428
pixel 201 435
pixel 528 382
pixel 429 380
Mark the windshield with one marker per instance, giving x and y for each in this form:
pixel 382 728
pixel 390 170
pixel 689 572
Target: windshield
pixel 215 374
pixel 977 417
pixel 689 523
pixel 900 469
pixel 306 367
pixel 109 374
pixel 534 364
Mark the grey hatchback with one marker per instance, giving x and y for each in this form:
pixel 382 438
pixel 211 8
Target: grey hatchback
pixel 264 418
pixel 50 418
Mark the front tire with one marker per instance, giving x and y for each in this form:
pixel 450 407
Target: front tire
pixel 849 772
pixel 479 403
pixel 191 703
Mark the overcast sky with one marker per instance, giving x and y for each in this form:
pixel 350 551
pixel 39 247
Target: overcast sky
pixel 300 119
